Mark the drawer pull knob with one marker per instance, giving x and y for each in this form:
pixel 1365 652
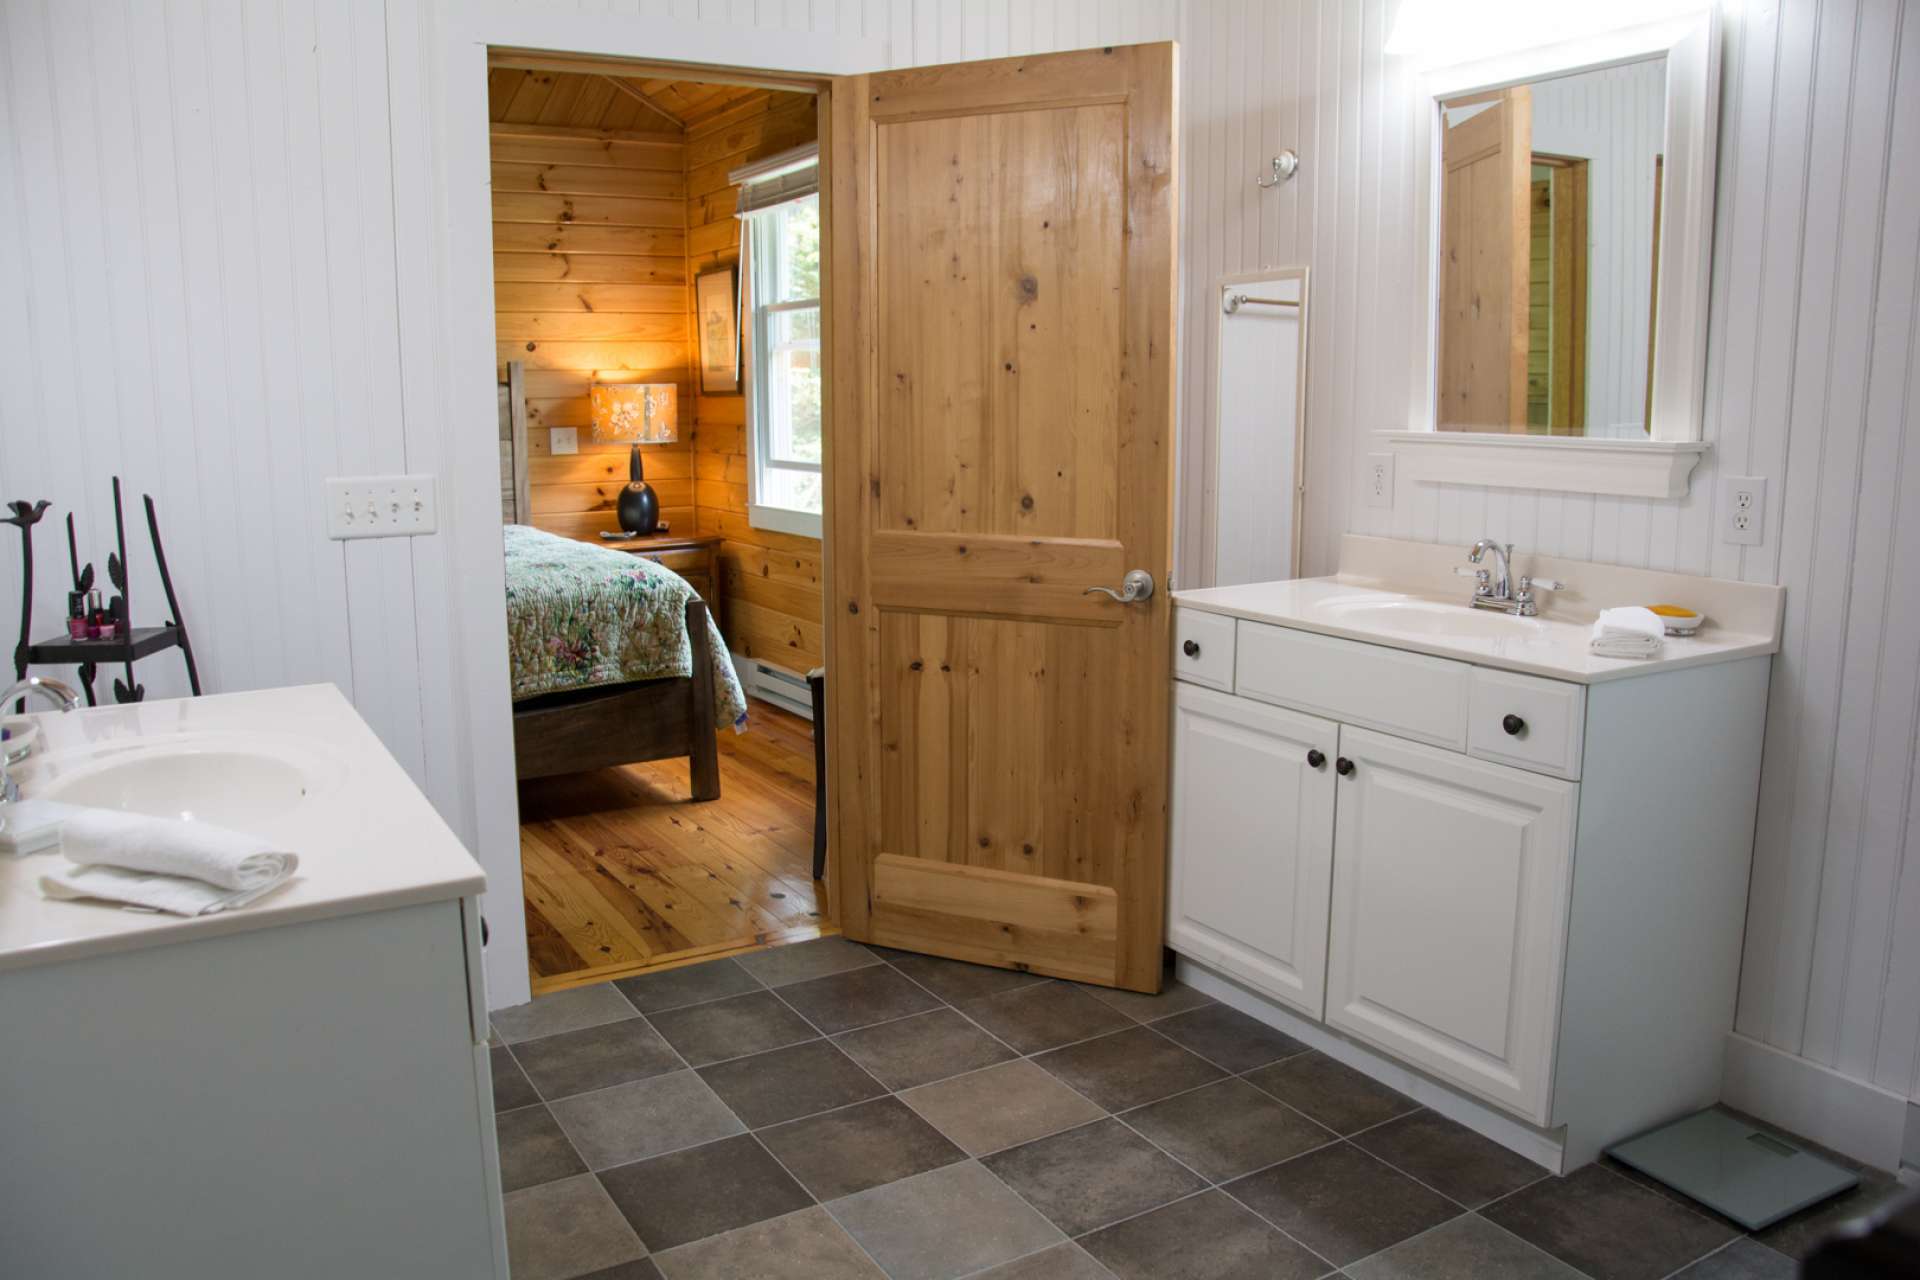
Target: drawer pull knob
pixel 1513 724
pixel 1191 648
pixel 1343 767
pixel 1316 758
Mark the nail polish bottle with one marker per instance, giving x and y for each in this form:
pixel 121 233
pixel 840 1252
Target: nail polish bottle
pixel 96 615
pixel 76 615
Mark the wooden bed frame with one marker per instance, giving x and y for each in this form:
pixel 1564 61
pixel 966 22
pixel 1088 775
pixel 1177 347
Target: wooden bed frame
pixel 583 729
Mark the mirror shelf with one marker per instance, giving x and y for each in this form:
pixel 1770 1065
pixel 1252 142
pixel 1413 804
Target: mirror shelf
pixel 1623 468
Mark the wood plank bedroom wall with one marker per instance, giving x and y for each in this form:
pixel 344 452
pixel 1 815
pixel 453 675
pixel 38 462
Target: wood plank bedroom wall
pixel 770 581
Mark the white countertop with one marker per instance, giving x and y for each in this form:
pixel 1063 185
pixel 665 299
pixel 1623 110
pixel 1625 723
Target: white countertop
pixel 1550 646
pixel 366 837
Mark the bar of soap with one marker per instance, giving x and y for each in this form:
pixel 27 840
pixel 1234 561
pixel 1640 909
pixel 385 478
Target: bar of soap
pixel 30 826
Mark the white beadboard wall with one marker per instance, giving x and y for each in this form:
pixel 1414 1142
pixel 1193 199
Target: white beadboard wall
pixel 1814 344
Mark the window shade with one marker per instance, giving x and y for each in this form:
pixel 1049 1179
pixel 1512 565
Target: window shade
pixel 791 175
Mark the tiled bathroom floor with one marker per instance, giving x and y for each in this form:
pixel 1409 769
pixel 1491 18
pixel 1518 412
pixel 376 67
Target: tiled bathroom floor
pixel 826 1110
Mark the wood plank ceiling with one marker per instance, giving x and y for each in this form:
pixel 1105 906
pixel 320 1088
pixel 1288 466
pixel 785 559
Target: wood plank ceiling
pixel 578 101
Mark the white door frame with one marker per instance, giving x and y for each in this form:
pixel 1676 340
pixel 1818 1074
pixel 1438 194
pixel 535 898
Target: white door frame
pixel 469 480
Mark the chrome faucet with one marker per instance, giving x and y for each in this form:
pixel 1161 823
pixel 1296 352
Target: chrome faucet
pixel 59 694
pixel 1495 591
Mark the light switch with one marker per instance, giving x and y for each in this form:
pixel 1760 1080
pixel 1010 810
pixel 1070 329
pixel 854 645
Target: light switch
pixel 563 440
pixel 380 506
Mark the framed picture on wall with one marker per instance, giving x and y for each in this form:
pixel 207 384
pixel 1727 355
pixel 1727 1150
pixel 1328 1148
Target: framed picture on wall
pixel 717 312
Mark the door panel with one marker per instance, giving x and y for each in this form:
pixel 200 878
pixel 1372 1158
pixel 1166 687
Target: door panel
pixel 1253 843
pixel 1485 230
pixel 1450 888
pixel 1000 310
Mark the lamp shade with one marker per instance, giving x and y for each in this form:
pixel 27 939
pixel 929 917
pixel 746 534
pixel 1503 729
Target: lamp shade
pixel 643 412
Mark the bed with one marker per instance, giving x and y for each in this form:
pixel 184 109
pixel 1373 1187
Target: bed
pixel 613 658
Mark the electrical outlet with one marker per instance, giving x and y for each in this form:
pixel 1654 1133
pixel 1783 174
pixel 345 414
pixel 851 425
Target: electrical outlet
pixel 1743 509
pixel 1379 480
pixel 380 506
pixel 563 440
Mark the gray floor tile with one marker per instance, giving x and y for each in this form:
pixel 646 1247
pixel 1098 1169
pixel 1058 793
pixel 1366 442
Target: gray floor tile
pixel 1450 1158
pixel 1229 1038
pixel 644 1118
pixel 1467 1248
pixel 533 1149
pixel 808 1245
pixel 561 1011
pixel 595 1058
pixel 798 961
pixel 1607 1226
pixel 693 984
pixel 1128 1068
pixel 839 1153
pixel 956 980
pixel 921 1049
pixel 857 998
pixel 1062 1262
pixel 785 1084
pixel 1342 1203
pixel 1744 1259
pixel 510 1085
pixel 638 1269
pixel 690 1195
pixel 1227 1129
pixel 1204 1237
pixel 1091 1176
pixel 1044 1016
pixel 561 1230
pixel 1174 997
pixel 1331 1092
pixel 732 1028
pixel 1000 1107
pixel 951 1222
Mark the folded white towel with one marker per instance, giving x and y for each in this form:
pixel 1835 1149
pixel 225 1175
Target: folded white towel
pixel 1628 633
pixel 163 864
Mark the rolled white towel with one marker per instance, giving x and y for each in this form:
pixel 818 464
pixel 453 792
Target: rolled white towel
pixel 164 864
pixel 1630 632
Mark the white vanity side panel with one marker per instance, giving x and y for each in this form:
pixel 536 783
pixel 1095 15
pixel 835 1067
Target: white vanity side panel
pixel 295 1102
pixel 1664 845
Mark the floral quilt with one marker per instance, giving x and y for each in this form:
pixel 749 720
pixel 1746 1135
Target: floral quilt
pixel 579 616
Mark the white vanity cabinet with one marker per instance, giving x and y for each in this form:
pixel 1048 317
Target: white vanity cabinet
pixel 1524 893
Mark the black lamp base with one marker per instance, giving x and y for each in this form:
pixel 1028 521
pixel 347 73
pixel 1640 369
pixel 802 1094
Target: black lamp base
pixel 639 506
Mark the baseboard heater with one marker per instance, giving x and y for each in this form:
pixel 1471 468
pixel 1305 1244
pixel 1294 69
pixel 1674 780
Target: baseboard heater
pixel 783 688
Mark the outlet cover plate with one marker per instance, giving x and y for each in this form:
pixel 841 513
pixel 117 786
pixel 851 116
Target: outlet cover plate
pixel 1743 510
pixel 380 506
pixel 563 440
pixel 1378 480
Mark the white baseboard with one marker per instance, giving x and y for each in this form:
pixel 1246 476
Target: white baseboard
pixel 1818 1103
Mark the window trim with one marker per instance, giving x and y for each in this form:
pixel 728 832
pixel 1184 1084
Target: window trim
pixel 760 513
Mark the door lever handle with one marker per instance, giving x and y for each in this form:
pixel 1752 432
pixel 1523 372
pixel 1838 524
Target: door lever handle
pixel 1135 587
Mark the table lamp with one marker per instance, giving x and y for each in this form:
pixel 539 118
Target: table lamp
pixel 644 413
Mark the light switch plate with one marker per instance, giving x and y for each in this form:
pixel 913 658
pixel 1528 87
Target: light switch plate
pixel 380 506
pixel 1379 480
pixel 563 440
pixel 1743 509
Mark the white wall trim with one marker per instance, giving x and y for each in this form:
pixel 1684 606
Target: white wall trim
pixel 801 524
pixel 1565 464
pixel 1851 1116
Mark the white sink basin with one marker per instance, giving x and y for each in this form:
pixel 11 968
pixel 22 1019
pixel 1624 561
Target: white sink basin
pixel 1415 617
pixel 245 782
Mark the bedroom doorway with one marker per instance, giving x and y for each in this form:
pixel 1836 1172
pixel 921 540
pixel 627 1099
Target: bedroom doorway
pixel 653 832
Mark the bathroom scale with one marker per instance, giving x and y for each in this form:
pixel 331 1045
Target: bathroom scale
pixel 1733 1168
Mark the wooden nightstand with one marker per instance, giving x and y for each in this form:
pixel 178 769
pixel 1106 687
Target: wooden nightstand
pixel 694 556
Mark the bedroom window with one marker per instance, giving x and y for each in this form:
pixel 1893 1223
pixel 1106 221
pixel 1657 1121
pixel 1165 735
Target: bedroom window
pixel 781 244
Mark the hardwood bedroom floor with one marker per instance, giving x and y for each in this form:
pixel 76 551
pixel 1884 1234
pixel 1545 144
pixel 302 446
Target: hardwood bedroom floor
pixel 624 873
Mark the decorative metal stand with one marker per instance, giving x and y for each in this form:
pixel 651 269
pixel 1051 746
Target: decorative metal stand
pixel 128 644
pixel 25 516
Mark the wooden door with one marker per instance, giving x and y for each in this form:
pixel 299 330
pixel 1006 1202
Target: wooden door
pixel 1485 240
pixel 1450 886
pixel 1001 276
pixel 1253 843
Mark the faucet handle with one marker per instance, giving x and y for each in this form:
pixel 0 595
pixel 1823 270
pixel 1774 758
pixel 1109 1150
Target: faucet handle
pixel 1545 584
pixel 1480 576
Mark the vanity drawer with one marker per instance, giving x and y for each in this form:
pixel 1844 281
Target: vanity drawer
pixel 1203 648
pixel 1409 694
pixel 1548 721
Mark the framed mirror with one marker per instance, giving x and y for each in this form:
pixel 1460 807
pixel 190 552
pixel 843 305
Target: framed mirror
pixel 1569 258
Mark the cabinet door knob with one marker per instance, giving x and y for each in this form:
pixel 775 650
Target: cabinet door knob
pixel 1191 648
pixel 1513 724
pixel 1316 758
pixel 1343 767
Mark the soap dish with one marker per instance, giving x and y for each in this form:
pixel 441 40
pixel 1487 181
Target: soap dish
pixel 1677 619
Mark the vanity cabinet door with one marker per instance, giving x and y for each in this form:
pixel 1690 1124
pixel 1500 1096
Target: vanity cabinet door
pixel 1450 887
pixel 1252 843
